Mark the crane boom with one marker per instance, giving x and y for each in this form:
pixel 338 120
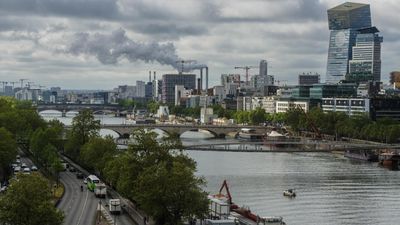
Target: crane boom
pixel 246 68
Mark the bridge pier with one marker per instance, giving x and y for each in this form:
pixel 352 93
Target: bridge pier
pixel 63 113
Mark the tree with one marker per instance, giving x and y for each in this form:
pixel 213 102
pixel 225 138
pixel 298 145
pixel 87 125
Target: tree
pixel 97 152
pixel 159 177
pixel 171 192
pixel 257 116
pixel 84 127
pixel 28 202
pixel 152 106
pixel 8 150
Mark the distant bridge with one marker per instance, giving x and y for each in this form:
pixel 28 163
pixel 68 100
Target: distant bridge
pixel 96 108
pixel 125 130
pixel 291 146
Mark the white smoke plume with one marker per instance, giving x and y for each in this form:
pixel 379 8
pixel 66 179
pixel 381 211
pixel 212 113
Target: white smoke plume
pixel 110 48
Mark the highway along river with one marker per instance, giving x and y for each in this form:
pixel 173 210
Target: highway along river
pixel 330 189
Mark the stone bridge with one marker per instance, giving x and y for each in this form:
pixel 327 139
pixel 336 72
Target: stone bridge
pixel 217 130
pixel 96 108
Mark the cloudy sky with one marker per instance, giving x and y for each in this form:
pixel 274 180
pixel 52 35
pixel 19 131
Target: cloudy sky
pixel 99 44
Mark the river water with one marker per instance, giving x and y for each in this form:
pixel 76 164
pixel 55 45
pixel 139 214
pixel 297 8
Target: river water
pixel 331 189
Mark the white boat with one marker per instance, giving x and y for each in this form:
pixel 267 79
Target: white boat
pixel 250 135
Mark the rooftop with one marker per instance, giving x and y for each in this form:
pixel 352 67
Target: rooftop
pixel 348 6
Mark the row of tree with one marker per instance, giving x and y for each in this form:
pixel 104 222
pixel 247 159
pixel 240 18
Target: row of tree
pixel 152 172
pixel 28 198
pixel 339 124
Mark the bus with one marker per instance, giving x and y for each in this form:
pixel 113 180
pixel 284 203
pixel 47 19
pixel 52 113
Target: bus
pixel 92 180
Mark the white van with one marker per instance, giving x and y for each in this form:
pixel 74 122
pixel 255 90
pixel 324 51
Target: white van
pixel 115 206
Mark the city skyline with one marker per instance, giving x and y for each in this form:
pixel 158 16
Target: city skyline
pixel 293 36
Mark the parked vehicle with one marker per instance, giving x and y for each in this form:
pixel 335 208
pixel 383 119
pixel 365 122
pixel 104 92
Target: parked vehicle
pixel 17 169
pixel 72 169
pixel 79 175
pixel 26 170
pixel 23 165
pixel 115 206
pixel 100 190
pixel 34 168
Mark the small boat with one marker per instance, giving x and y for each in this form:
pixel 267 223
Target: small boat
pixel 249 135
pixel 289 193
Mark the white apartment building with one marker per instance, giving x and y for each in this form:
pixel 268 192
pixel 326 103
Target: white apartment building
pixel 283 106
pixel 350 106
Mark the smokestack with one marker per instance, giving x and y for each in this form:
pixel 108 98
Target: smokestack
pixel 201 79
pixel 154 75
pixel 198 86
pixel 150 76
pixel 207 79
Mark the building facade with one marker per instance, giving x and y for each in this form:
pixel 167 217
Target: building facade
pixel 284 106
pixel 309 79
pixel 350 106
pixel 188 81
pixel 366 58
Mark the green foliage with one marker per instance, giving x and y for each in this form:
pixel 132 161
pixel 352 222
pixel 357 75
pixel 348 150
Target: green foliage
pixel 159 177
pixel 8 150
pixel 152 106
pixel 223 113
pixel 19 118
pixel 84 127
pixel 183 111
pixel 340 124
pixel 126 103
pixel 97 152
pixel 28 202
pixel 172 192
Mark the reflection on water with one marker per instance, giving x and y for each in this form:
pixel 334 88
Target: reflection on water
pixel 330 189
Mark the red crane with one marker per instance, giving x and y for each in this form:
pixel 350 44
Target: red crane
pixel 247 68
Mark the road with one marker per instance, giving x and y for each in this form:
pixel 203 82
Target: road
pixel 79 207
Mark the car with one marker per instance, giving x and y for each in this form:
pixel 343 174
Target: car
pixel 26 170
pixel 72 169
pixel 18 161
pixel 23 165
pixel 3 189
pixel 34 168
pixel 14 165
pixel 17 169
pixel 79 175
pixel 18 157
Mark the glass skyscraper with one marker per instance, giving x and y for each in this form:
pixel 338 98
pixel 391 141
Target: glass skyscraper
pixel 344 22
pixel 366 58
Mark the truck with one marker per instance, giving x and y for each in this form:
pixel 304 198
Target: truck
pixel 115 206
pixel 100 191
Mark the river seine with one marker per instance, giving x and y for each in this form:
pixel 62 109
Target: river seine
pixel 331 189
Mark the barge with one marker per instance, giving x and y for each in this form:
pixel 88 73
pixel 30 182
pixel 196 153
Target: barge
pixel 223 211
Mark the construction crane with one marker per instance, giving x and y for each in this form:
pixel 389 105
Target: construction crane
pixel 4 85
pixel 279 81
pixel 247 68
pixel 29 84
pixel 22 82
pixel 12 82
pixel 310 122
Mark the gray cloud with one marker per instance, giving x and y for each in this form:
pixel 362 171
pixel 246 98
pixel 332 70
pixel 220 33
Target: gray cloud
pixel 106 9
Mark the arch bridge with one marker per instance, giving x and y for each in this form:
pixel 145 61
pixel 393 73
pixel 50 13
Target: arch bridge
pixel 96 108
pixel 216 130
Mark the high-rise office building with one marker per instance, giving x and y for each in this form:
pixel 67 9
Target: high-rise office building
pixel 309 79
pixel 263 68
pixel 344 22
pixel 366 58
pixel 170 80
